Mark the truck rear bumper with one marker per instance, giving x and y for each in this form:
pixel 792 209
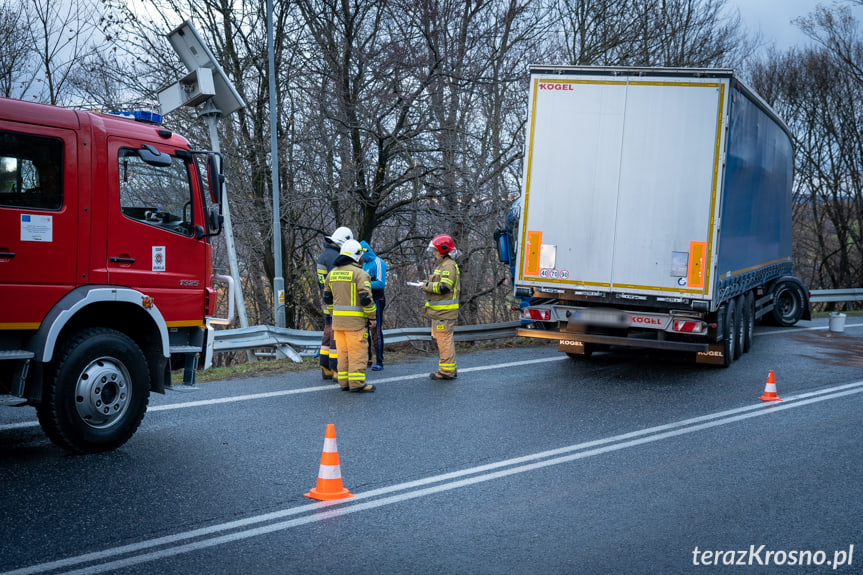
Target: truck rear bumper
pixel 577 339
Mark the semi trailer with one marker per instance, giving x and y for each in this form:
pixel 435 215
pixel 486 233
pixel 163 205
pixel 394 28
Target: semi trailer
pixel 655 212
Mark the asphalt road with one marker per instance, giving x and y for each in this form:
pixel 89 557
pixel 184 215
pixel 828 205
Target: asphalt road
pixel 530 462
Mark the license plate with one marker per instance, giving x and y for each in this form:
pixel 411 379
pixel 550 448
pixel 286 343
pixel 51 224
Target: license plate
pixel 600 317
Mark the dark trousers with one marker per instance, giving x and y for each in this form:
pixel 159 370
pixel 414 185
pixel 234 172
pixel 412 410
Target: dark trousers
pixel 376 336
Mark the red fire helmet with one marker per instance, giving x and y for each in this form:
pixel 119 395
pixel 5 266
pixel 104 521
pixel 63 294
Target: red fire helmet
pixel 443 244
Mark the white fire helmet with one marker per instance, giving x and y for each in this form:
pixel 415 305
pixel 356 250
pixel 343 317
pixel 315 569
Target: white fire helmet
pixel 352 249
pixel 341 235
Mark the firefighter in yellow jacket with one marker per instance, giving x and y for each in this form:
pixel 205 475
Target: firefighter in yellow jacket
pixel 442 291
pixel 348 297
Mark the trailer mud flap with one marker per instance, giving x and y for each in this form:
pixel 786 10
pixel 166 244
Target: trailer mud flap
pixel 715 355
pixel 571 346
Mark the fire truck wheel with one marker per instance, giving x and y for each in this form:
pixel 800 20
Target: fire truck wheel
pixel 96 391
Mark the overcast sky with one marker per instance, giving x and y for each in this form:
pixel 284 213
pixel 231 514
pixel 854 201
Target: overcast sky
pixel 773 18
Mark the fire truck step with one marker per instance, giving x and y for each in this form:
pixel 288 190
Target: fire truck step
pixel 185 349
pixel 16 354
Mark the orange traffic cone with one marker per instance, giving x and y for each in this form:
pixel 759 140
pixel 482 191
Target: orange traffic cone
pixel 770 389
pixel 329 486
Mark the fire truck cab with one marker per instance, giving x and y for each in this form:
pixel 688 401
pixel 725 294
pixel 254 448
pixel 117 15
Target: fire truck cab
pixel 106 277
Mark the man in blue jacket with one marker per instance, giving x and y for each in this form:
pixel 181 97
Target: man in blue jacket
pixel 377 270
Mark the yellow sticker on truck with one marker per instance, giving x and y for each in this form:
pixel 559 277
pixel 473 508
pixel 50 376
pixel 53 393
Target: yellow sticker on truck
pixel 534 246
pixel 695 273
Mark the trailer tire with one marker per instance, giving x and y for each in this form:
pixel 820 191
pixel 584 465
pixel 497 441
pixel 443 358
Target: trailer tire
pixel 729 332
pixel 748 320
pixel 788 299
pixel 96 391
pixel 739 326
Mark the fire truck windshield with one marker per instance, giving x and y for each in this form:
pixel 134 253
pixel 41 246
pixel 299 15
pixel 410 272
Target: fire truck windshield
pixel 154 194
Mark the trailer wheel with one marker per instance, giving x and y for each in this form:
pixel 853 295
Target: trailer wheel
pixel 788 299
pixel 729 332
pixel 96 391
pixel 748 320
pixel 739 326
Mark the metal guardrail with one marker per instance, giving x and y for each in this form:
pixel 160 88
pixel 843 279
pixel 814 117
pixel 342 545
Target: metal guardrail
pixel 832 295
pixel 295 343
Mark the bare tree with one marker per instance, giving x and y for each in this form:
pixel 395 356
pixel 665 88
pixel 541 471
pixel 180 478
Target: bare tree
pixel 837 31
pixel 813 90
pixel 14 48
pixel 597 31
pixel 671 33
pixel 61 34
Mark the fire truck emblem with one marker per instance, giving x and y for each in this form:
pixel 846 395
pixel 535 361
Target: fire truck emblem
pixel 159 258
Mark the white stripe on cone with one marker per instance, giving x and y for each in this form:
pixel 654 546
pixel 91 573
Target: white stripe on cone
pixel 330 472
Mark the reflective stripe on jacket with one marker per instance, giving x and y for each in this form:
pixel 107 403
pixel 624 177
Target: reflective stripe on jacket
pixel 352 297
pixel 442 291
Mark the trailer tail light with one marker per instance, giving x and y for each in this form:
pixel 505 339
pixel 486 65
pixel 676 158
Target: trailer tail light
pixel 537 314
pixel 688 326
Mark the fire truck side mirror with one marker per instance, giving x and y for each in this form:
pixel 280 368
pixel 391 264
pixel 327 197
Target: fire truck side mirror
pixel 216 219
pixel 216 176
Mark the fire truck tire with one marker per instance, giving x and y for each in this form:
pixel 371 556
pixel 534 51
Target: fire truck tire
pixel 95 392
pixel 729 330
pixel 748 320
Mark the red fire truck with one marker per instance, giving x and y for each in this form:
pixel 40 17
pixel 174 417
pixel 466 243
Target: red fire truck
pixel 106 278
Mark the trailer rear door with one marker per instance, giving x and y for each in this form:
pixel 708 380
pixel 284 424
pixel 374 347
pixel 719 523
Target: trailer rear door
pixel 622 185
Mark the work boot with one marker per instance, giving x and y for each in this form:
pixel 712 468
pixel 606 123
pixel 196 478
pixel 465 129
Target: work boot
pixel 326 373
pixel 438 376
pixel 367 388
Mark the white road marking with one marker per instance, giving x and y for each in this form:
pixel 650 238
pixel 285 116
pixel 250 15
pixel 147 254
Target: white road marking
pixel 331 387
pixel 207 537
pixel 326 387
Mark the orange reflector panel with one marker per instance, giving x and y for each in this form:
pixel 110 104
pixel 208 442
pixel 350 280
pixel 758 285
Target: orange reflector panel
pixel 534 243
pixel 697 254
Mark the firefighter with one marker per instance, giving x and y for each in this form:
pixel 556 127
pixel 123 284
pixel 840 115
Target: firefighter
pixel 326 261
pixel 442 291
pixel 348 296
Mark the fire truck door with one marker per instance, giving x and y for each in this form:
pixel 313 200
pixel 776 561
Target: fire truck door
pixel 38 206
pixel 152 213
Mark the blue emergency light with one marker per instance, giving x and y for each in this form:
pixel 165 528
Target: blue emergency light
pixel 139 115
